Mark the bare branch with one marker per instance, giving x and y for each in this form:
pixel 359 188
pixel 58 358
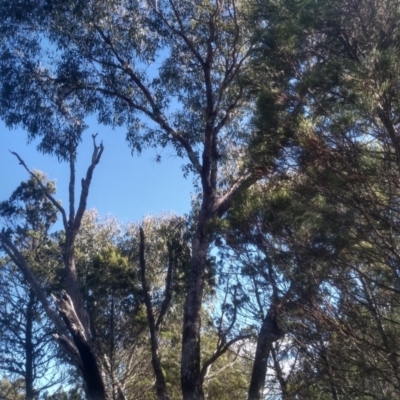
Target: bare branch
pixel 219 352
pixel 168 289
pixel 97 152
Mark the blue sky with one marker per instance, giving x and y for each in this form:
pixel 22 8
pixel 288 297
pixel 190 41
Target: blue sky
pixel 124 185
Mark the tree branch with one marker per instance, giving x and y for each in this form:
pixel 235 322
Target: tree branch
pixel 241 184
pixel 46 192
pixel 161 387
pixel 22 265
pixel 181 33
pixel 168 289
pixel 97 152
pixel 219 352
pixel 175 136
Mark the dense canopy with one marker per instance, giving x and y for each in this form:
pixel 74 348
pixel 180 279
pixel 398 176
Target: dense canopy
pixel 283 281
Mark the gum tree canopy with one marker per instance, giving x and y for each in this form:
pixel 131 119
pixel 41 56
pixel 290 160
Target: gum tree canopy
pixel 323 78
pixel 173 73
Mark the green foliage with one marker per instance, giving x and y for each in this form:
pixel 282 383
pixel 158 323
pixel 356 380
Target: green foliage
pixel 72 394
pixel 29 208
pixel 316 241
pixel 28 218
pixel 11 390
pixel 27 350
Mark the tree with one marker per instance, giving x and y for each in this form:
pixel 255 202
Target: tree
pixel 25 333
pixel 346 155
pixel 360 143
pixel 110 291
pixel 72 394
pixel 327 119
pixel 11 390
pixel 280 249
pixel 99 67
pixel 131 279
pixel 72 324
pixel 27 348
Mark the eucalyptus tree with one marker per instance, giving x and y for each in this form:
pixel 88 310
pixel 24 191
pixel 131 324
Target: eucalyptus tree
pixel 172 72
pixel 71 322
pixel 132 277
pixel 110 291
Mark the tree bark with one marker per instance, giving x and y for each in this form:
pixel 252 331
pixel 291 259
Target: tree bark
pixel 161 387
pixel 93 380
pixel 191 380
pixel 29 361
pixel 269 333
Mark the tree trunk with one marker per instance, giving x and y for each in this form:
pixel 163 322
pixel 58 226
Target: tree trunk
pixel 161 386
pixel 269 333
pixel 94 386
pixel 280 376
pixel 79 326
pixel 190 365
pixel 29 348
pixel 91 373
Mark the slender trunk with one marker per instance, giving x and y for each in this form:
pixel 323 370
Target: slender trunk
pixel 280 376
pixel 29 360
pixel 112 351
pixel 190 365
pixel 161 387
pixel 269 333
